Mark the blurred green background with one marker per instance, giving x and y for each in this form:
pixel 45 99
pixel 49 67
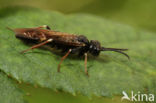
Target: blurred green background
pixel 137 13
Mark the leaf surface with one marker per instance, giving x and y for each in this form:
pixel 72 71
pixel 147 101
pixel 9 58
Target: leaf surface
pixel 9 93
pixel 110 73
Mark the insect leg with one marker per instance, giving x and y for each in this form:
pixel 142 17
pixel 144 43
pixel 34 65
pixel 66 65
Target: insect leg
pixel 85 62
pixel 38 45
pixel 64 57
pixel 44 26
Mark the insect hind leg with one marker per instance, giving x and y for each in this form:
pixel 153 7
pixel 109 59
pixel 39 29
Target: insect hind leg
pixel 45 26
pixel 38 45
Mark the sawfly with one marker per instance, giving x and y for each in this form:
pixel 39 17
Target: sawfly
pixel 69 43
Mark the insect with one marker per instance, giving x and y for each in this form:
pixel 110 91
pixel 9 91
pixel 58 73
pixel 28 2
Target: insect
pixel 68 43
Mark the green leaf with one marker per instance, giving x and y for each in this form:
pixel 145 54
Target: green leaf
pixel 44 95
pixel 110 73
pixel 9 93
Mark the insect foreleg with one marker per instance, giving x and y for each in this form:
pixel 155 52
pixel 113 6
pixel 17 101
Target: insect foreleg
pixel 64 57
pixel 38 45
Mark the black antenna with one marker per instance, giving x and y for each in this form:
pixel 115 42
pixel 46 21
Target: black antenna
pixel 116 50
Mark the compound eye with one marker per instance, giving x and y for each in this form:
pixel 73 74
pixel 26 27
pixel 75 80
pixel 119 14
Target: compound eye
pixel 94 50
pixel 91 46
pixel 94 47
